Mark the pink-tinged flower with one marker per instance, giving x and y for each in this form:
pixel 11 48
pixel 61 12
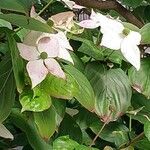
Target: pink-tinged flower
pixel 116 36
pixel 41 56
pixel 72 4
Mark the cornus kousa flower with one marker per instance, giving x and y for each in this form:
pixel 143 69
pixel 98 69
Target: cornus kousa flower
pixel 41 57
pixel 116 36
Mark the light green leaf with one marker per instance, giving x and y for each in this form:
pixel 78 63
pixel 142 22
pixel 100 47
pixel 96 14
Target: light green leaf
pixel 145 33
pixel 85 93
pixel 60 88
pixel 147 129
pixel 36 100
pixel 26 22
pixel 112 90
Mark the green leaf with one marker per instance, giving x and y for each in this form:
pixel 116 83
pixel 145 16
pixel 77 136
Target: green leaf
pixel 36 100
pixel 112 90
pixel 65 143
pixel 85 93
pixel 4 23
pixel 145 33
pixel 132 3
pixel 113 132
pixel 88 47
pixel 17 62
pixel 139 101
pixel 59 88
pixel 16 5
pixel 46 122
pixel 7 88
pixel 26 22
pixel 27 125
pixel 147 129
pixel 143 144
pixel 140 80
pixel 69 127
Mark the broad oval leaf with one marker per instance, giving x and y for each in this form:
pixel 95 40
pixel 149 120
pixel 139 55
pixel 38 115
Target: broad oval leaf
pixel 7 87
pixel 26 22
pixel 85 94
pixel 140 80
pixel 112 90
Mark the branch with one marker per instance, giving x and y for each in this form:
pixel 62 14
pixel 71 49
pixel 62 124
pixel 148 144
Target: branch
pixel 111 4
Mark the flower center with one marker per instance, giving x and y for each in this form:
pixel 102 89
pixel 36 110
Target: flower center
pixel 126 31
pixel 43 55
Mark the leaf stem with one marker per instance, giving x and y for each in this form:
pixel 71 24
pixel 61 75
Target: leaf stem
pixel 101 129
pixel 133 141
pixel 44 8
pixel 130 123
pixel 93 141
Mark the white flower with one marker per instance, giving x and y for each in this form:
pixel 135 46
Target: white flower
pixel 116 37
pixel 41 56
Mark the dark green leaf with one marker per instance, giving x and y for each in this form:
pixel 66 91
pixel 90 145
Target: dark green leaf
pixel 46 122
pixel 140 80
pixel 22 6
pixel 7 88
pixel 69 127
pixel 28 126
pixel 26 22
pixel 112 90
pixel 17 62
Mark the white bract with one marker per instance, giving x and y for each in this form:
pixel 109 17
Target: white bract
pixel 116 36
pixel 41 56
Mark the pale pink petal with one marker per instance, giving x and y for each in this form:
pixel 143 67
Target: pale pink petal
pixel 112 41
pixel 90 24
pixel 64 54
pixel 33 14
pixel 49 45
pixel 37 71
pixel 75 6
pixel 131 52
pixel 54 68
pixel 28 52
pixel 62 40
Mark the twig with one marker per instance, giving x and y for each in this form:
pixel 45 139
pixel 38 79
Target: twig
pixel 114 5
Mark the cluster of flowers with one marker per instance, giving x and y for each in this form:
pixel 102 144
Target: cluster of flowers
pixel 42 50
